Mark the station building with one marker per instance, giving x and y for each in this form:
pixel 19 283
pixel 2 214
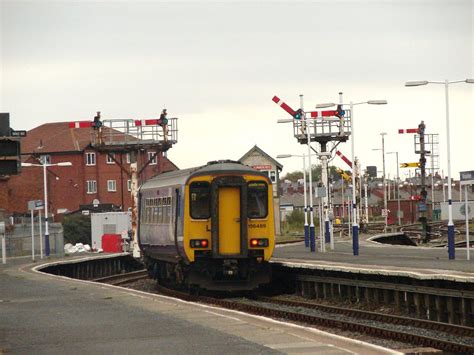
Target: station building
pixel 257 159
pixel 93 177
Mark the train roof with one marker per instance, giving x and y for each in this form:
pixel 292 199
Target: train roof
pixel 180 177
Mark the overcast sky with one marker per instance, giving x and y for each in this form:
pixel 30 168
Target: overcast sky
pixel 217 65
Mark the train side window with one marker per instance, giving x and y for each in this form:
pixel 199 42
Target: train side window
pixel 200 200
pixel 257 200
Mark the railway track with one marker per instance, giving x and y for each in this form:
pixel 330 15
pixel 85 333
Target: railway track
pixel 122 279
pixel 443 336
pixel 412 331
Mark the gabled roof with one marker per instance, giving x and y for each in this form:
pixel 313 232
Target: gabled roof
pixel 261 152
pixel 55 138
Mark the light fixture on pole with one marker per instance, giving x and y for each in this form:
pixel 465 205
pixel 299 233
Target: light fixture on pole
pixel 306 226
pixel 451 246
pixel 45 185
pixel 385 211
pixel 355 222
pixel 398 190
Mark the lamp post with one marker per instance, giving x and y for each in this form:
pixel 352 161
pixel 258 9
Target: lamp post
pixel 45 186
pixel 306 226
pixel 383 134
pixel 355 223
pixel 451 247
pixel 398 189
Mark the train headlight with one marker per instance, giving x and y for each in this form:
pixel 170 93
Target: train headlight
pixel 260 242
pixel 198 243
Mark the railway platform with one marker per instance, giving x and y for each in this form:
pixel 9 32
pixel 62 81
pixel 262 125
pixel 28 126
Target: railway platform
pixel 385 259
pixel 42 313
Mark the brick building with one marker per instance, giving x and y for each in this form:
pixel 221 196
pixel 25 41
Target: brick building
pixel 92 176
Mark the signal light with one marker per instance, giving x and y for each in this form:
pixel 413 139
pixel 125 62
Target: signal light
pixel 163 121
pixel 199 243
pixel 340 112
pixel 298 114
pixel 261 242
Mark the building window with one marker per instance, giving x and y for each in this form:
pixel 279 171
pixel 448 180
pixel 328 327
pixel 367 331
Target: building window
pixel 109 158
pixel 153 158
pixel 111 186
pixel 128 158
pixel 91 186
pixel 90 158
pixel 272 175
pixel 129 185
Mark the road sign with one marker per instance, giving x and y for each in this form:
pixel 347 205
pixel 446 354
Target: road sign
pixel 416 198
pixel 320 192
pixel 410 165
pixel 17 133
pixel 35 205
pixel 467 177
pixel 385 212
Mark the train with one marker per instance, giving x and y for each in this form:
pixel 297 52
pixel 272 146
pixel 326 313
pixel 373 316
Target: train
pixel 209 227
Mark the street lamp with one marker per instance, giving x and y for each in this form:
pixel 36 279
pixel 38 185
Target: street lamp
pixel 383 134
pixel 306 226
pixel 46 229
pixel 312 241
pixel 398 190
pixel 451 247
pixel 355 223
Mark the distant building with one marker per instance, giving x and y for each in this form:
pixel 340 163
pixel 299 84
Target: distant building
pixel 94 176
pixel 259 160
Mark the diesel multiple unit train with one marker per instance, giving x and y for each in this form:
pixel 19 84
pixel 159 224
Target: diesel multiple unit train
pixel 209 227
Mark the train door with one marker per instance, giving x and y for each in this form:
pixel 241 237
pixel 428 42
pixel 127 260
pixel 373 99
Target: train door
pixel 229 220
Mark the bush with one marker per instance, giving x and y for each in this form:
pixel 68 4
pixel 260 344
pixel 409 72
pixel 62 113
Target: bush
pixel 296 218
pixel 77 229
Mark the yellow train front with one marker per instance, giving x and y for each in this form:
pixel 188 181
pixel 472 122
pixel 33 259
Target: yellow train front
pixel 210 227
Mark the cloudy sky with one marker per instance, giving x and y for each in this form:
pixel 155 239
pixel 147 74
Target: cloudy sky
pixel 216 65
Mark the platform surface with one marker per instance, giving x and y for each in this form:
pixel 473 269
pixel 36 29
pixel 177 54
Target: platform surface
pixel 421 262
pixel 46 314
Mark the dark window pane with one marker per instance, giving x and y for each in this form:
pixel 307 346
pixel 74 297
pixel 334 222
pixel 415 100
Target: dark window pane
pixel 257 200
pixel 200 200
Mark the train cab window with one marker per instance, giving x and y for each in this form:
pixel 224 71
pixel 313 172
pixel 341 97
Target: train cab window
pixel 257 200
pixel 200 200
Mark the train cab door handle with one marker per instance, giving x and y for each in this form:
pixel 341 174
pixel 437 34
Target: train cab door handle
pixel 237 220
pixel 207 228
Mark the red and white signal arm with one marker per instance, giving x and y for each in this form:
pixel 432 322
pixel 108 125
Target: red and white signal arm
pixel 149 122
pixel 81 124
pixel 408 130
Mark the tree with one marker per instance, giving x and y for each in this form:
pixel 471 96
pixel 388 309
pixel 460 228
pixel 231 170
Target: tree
pixel 315 172
pixel 77 229
pixel 293 176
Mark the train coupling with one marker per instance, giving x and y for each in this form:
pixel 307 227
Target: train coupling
pixel 230 267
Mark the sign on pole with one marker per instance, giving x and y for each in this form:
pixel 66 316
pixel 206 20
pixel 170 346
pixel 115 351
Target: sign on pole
pixel 409 165
pixel 35 205
pixel 467 178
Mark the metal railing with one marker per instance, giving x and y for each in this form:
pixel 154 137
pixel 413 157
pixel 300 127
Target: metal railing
pixel 124 132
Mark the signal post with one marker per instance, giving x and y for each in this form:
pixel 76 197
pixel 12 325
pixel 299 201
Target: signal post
pixel 321 127
pixel 130 136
